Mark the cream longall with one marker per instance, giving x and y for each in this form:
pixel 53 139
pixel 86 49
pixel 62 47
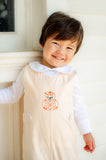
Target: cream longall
pixel 48 120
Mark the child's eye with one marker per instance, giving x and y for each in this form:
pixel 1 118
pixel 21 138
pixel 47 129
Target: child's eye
pixel 69 48
pixel 56 43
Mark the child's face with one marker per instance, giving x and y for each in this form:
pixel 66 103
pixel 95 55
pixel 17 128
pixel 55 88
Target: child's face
pixel 57 53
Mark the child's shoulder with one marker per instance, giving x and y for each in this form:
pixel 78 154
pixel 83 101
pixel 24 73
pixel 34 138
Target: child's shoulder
pixel 30 64
pixel 34 65
pixel 71 69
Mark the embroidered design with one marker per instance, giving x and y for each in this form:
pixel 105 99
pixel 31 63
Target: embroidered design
pixel 49 102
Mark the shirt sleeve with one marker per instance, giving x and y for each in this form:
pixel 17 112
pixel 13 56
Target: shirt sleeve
pixel 80 113
pixel 13 93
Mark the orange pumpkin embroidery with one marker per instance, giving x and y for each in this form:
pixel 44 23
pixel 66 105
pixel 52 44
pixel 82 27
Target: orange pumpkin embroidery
pixel 49 102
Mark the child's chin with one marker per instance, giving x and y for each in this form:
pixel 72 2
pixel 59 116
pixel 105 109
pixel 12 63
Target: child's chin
pixel 59 66
pixel 54 65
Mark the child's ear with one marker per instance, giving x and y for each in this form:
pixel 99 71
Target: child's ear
pixel 41 46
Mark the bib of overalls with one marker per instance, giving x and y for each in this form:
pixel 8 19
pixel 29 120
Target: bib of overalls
pixel 48 119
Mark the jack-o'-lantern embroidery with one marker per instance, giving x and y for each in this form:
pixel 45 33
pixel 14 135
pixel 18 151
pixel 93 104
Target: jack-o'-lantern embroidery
pixel 49 102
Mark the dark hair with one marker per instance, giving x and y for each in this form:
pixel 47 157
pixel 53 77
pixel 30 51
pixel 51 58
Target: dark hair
pixel 64 27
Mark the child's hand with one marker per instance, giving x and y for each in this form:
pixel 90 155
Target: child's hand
pixel 89 142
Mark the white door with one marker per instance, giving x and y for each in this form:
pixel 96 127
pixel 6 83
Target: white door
pixel 18 45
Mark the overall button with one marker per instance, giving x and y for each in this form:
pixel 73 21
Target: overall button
pixel 27 116
pixel 70 117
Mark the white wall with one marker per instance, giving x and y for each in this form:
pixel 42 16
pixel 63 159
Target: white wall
pixel 90 63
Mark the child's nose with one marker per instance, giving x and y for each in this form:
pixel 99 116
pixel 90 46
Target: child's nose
pixel 61 51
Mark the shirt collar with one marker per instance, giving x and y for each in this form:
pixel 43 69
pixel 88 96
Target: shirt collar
pixel 38 67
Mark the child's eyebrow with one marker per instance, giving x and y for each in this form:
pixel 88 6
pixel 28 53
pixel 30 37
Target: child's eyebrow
pixel 53 38
pixel 71 45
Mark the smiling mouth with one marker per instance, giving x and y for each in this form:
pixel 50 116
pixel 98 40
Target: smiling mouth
pixel 58 58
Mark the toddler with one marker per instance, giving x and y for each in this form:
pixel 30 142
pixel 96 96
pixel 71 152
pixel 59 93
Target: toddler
pixel 52 97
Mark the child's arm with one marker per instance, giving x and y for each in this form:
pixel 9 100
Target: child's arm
pixel 80 113
pixel 81 118
pixel 13 93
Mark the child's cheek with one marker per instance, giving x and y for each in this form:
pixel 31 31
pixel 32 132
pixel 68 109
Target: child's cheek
pixel 51 49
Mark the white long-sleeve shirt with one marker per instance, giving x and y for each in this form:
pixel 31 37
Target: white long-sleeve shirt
pixel 13 93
